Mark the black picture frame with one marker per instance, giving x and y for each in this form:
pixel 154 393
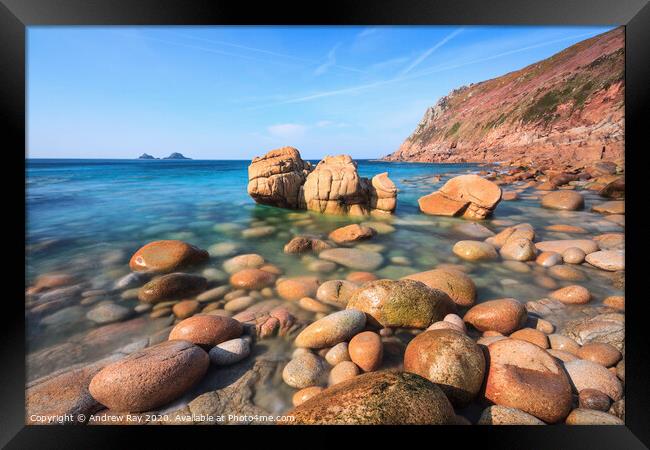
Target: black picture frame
pixel 16 15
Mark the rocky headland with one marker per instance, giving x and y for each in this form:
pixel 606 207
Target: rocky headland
pixel 567 109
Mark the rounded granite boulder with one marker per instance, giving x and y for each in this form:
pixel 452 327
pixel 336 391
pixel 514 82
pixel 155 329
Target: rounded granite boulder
pixel 166 256
pixel 523 376
pixel 150 378
pixel 565 200
pixel 172 286
pixel 377 398
pixel 401 303
pixel 456 284
pixel 332 329
pixel 451 360
pixel 207 330
pixel 504 315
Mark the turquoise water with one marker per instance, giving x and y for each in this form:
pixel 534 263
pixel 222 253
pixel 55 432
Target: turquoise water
pixel 87 217
pixel 85 205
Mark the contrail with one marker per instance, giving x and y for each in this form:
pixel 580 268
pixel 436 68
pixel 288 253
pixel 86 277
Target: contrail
pixel 426 54
pixel 267 52
pixel 415 75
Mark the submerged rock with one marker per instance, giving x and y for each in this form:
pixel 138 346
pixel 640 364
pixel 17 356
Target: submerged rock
pixel 107 313
pixel 167 256
pixel 353 258
pixel 171 286
pixel 566 200
pixel 610 260
pixel 475 251
pixel 351 233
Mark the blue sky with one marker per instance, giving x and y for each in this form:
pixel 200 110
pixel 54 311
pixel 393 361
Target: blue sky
pixel 237 92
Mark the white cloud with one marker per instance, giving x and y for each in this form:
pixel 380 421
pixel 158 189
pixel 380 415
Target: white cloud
pixel 287 130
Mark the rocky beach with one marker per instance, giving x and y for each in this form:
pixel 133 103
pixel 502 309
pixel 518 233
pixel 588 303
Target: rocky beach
pixel 285 291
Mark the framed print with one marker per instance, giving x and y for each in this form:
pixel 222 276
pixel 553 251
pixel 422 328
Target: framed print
pixel 385 218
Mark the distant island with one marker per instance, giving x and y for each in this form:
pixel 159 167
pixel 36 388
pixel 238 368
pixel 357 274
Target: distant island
pixel 174 155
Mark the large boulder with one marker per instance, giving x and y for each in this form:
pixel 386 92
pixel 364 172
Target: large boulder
pixel 377 398
pixel 456 284
pixel 565 200
pixel 281 178
pixel 166 256
pixel 451 360
pixel 469 196
pixel 276 178
pixel 150 378
pixel 401 303
pixel 524 376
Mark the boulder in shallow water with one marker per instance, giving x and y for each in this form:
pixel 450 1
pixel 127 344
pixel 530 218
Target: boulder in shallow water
pixel 207 330
pixel 451 360
pixel 281 178
pixel 332 329
pixel 524 376
pixel 610 260
pixel 456 284
pixel 401 303
pixel 353 258
pixel 171 286
pixel 150 378
pixel 564 200
pixel 166 256
pixel 377 398
pixel 469 196
pixel 276 178
pixel 351 233
pixel 504 315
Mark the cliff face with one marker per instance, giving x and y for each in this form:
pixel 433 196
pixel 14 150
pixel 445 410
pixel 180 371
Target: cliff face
pixel 568 108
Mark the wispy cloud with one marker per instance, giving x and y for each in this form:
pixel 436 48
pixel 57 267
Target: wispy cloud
pixel 418 74
pixel 428 52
